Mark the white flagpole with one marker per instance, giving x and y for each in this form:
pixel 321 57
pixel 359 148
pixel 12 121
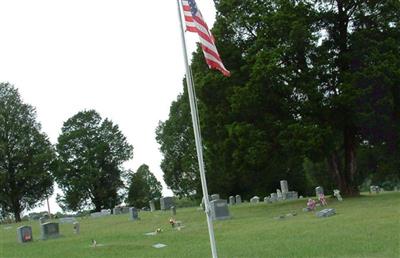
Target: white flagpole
pixel 197 136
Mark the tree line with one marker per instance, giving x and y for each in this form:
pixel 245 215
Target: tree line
pixel 86 162
pixel 314 98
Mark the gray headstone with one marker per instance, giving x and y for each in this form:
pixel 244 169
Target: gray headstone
pixel 67 220
pixel 255 199
pixel 279 194
pixel 106 211
pixel 215 197
pixel 326 213
pixel 238 199
pixel 96 214
pixel 173 210
pixel 319 190
pixel 166 203
pixel 42 220
pixel 133 213
pixel 292 195
pixel 284 188
pixel 49 230
pixel 152 205
pixel 231 200
pixel 76 227
pixel 117 210
pixel 219 210
pixel 374 189
pixel 274 197
pixel 24 234
pixel 267 200
pixel 125 210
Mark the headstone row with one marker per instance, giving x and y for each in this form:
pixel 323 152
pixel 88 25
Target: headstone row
pixel 47 230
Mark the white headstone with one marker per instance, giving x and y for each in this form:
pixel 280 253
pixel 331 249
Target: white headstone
pixel 231 200
pixel 152 205
pixel 284 188
pixel 336 193
pixel 319 190
pixel 274 197
pixel 76 227
pixel 238 199
pixel 279 194
pixel 255 199
pixel 215 197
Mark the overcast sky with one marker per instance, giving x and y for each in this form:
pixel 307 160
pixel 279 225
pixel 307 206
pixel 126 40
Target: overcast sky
pixel 122 58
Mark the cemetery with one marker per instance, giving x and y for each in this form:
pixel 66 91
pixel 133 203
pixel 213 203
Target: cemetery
pixel 281 140
pixel 347 225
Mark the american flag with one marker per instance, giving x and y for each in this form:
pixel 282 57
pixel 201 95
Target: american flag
pixel 195 23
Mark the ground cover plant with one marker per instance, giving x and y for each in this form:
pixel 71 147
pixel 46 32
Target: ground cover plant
pixel 367 226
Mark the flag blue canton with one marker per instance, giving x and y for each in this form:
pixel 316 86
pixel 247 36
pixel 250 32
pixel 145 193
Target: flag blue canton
pixel 193 7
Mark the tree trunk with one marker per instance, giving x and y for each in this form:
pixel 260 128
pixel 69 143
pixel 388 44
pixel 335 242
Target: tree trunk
pixel 345 176
pixel 350 169
pixel 16 210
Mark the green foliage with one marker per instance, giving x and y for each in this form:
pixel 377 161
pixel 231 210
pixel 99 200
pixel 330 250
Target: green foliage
pixel 26 155
pixel 311 80
pixel 91 152
pixel 176 139
pixel 143 187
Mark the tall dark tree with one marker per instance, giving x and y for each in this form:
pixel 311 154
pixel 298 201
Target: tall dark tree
pixel 143 187
pixel 312 81
pixel 357 75
pixel 26 155
pixel 91 152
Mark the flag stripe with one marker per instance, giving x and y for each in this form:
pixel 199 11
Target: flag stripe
pixel 195 23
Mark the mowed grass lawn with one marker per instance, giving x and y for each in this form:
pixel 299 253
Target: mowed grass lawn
pixel 368 226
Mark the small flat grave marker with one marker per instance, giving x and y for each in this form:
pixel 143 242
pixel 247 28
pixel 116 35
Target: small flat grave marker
pixel 159 245
pixel 326 213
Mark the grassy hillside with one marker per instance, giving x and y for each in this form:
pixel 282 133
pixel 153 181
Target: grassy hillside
pixel 368 226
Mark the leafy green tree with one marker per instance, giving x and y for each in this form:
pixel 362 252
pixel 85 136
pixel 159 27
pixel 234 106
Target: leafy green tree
pixel 176 140
pixel 91 152
pixel 320 79
pixel 313 83
pixel 26 155
pixel 143 187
